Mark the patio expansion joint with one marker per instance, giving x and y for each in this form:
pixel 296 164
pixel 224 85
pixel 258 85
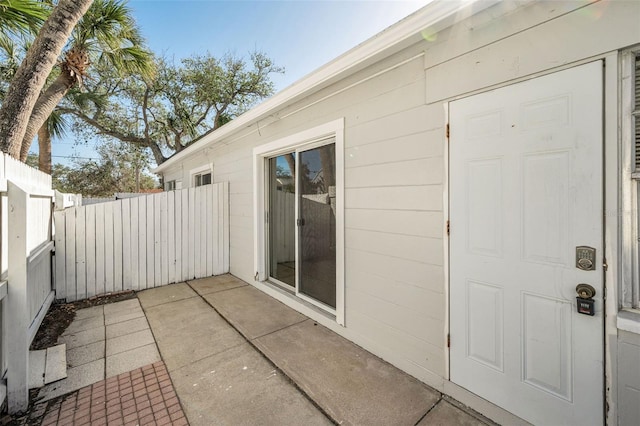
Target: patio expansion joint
pixel 430 409
pixel 155 339
pixel 210 355
pixel 217 291
pixel 278 330
pixel 170 301
pixel 283 373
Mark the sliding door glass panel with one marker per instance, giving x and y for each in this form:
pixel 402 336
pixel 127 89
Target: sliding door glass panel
pixel 282 219
pixel 317 224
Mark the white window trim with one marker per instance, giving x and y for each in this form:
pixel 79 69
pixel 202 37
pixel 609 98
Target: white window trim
pixel 629 189
pixel 333 129
pixel 200 170
pixel 166 184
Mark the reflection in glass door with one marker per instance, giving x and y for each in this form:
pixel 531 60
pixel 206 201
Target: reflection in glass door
pixel 317 224
pixel 282 219
pixel 302 222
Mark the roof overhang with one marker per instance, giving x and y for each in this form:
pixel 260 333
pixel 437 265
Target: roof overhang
pixel 434 17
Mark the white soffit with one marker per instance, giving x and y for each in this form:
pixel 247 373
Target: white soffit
pixel 435 17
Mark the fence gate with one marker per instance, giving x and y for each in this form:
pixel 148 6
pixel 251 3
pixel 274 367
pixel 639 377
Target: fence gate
pixel 26 270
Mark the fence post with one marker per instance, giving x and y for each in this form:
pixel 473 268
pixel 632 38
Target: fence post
pixel 16 304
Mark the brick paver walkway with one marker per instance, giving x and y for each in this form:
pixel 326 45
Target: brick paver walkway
pixel 144 396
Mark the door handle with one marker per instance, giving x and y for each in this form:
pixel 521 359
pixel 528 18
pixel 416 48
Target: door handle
pixel 584 302
pixel 585 291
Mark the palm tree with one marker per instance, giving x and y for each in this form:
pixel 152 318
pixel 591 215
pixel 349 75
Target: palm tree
pixel 55 126
pixel 11 50
pixel 18 17
pixel 31 76
pixel 107 34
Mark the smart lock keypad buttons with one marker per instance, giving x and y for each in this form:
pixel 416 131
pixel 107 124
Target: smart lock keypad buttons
pixel 586 258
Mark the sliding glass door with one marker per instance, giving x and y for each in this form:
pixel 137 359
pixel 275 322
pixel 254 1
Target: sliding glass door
pixel 317 224
pixel 302 222
pixel 282 218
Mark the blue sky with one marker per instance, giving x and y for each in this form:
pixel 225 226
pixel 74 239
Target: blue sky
pixel 300 35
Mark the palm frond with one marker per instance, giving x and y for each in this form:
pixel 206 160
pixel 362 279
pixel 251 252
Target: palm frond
pixel 57 124
pixel 109 32
pixel 85 101
pixel 22 16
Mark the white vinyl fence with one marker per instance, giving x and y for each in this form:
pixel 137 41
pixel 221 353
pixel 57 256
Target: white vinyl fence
pixel 26 291
pixel 143 242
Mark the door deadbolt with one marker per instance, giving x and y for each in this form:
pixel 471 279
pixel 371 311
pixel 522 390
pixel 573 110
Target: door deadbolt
pixel 585 291
pixel 584 302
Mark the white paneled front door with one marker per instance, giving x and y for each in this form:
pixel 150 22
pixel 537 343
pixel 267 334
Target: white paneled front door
pixel 525 191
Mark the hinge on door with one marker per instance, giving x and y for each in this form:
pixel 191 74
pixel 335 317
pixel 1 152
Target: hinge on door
pixel 605 265
pixel 447 131
pixel 448 340
pixel 300 222
pixel 448 228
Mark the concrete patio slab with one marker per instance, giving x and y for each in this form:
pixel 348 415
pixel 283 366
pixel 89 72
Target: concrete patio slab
pixel 446 414
pixel 77 378
pixel 37 360
pixel 350 384
pixel 240 387
pixel 125 305
pixel 296 372
pixel 131 359
pixel 166 294
pixel 214 284
pixel 84 324
pixel 92 355
pixel 127 327
pixel 56 364
pixel 188 330
pixel 129 341
pixel 253 312
pixel 81 338
pixel 121 316
pixel 85 354
pixel 94 311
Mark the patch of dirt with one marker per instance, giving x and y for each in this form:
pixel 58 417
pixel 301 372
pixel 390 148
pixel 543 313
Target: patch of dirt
pixel 55 322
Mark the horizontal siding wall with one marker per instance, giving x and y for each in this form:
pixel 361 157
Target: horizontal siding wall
pixel 394 254
pixel 143 242
pixel 532 50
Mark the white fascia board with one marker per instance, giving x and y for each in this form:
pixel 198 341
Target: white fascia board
pixel 436 16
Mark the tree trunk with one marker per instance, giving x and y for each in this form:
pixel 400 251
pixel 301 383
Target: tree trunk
pixel 44 143
pixel 327 159
pixel 157 153
pixel 43 108
pixel 32 74
pixel 137 178
pixel 291 161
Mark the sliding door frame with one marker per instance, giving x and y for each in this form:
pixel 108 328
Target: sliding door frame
pixel 308 139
